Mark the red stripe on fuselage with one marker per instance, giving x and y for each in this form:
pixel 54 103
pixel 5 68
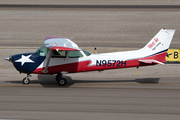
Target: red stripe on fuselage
pixel 70 68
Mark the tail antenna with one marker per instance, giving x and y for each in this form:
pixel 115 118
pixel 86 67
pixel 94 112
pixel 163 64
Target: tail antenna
pixel 71 38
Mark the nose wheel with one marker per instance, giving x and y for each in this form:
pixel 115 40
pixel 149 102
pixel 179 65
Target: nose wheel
pixel 26 80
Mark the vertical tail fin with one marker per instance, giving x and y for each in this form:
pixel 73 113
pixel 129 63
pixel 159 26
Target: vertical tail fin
pixel 157 48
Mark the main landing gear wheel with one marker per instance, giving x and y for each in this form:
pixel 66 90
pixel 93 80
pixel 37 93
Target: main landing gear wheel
pixel 58 77
pixel 60 80
pixel 26 81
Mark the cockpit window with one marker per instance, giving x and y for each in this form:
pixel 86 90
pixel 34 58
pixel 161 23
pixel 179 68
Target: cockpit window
pixel 42 51
pixel 86 53
pixel 59 54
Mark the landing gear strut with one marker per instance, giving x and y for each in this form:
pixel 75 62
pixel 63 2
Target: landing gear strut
pixel 61 80
pixel 26 80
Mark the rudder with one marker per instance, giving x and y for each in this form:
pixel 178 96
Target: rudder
pixel 157 47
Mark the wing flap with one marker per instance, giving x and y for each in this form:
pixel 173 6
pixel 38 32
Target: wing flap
pixel 151 61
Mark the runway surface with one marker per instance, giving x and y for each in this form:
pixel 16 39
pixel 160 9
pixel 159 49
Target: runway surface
pixel 131 98
pixel 153 94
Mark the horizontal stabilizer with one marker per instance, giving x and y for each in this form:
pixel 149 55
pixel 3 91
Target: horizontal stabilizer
pixel 151 61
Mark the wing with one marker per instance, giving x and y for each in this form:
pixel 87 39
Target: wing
pixel 58 43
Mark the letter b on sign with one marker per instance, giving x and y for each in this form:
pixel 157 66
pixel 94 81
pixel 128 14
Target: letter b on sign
pixel 175 55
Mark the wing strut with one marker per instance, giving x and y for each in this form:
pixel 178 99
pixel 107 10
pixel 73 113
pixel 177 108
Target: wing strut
pixel 48 60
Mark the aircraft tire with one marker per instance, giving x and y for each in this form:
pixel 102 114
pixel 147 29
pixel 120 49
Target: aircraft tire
pixel 26 81
pixel 58 77
pixel 62 82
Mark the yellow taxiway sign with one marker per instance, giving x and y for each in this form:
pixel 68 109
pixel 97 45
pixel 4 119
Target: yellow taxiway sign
pixel 173 55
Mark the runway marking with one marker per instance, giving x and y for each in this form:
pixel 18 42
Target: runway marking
pixel 123 84
pixel 125 88
pixel 72 87
pixel 98 86
pixel 20 86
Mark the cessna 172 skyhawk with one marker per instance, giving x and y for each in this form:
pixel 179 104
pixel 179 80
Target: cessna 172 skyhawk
pixel 61 56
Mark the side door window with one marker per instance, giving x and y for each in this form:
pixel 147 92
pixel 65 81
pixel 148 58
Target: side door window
pixel 75 54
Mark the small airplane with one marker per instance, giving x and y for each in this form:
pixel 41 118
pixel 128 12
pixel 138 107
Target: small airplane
pixel 61 56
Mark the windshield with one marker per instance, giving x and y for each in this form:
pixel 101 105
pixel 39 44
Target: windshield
pixel 86 52
pixel 42 51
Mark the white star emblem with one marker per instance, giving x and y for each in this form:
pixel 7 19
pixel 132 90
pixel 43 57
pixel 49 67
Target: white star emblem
pixel 25 59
